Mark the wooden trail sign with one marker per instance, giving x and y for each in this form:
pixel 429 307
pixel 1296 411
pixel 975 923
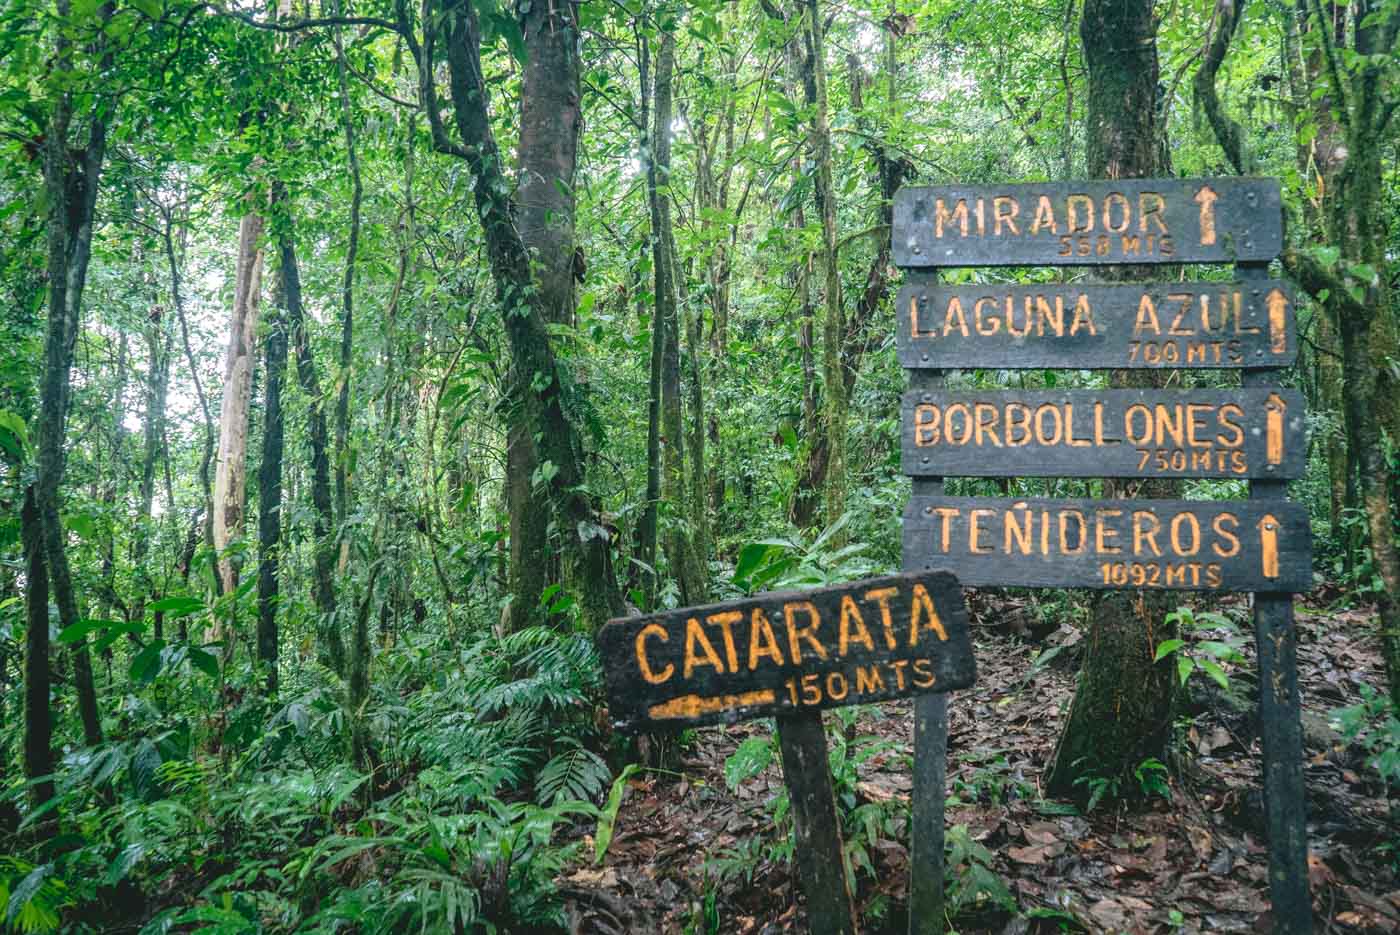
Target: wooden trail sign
pixel 790 654
pixel 1262 545
pixel 1203 545
pixel 1105 433
pixel 788 651
pixel 1088 223
pixel 1200 325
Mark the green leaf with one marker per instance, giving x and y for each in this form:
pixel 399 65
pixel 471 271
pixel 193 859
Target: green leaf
pixel 1212 668
pixel 176 606
pixel 204 662
pixel 122 866
pixel 750 557
pixel 144 763
pixel 1166 648
pixel 25 892
pixel 608 819
pixel 82 524
pixel 1184 665
pixel 146 664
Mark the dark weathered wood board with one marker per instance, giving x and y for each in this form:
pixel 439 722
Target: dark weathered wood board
pixel 1067 326
pixel 1105 433
pixel 1139 544
pixel 788 651
pixel 1088 223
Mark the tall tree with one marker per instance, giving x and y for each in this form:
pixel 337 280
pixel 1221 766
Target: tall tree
pixel 1346 272
pixel 72 165
pixel 684 558
pixel 546 408
pixel 1123 701
pixel 230 480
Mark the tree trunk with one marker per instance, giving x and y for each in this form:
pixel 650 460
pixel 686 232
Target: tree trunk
pixel 38 716
pixel 207 457
pixel 550 118
pixel 647 524
pixel 586 543
pixel 1123 704
pixel 836 404
pixel 270 486
pixel 158 349
pixel 329 639
pixel 679 540
pixel 230 481
pixel 71 176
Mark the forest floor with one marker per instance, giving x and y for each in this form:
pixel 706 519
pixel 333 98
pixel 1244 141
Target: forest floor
pixel 1194 862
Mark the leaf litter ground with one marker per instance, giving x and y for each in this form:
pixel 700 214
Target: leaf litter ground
pixel 1195 862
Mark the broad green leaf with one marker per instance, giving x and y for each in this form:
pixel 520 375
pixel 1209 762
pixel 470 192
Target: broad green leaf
pixel 1166 648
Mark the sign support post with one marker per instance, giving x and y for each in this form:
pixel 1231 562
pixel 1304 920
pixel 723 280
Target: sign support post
pixel 929 792
pixel 1279 718
pixel 821 864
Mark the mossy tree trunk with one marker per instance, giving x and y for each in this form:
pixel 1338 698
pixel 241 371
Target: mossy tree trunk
pixel 1123 703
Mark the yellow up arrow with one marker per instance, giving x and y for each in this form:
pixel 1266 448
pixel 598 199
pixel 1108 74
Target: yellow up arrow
pixel 1278 319
pixel 1274 409
pixel 1268 545
pixel 1206 199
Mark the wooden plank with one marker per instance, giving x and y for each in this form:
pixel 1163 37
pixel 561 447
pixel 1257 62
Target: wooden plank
pixel 930 774
pixel 1140 544
pixel 1105 433
pixel 1088 223
pixel 1280 720
pixel 854 643
pixel 1069 326
pixel 815 823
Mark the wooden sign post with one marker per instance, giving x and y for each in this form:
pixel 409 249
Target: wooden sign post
pixel 790 655
pixel 1257 433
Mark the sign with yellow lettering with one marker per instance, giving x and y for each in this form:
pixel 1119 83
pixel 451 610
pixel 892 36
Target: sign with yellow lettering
pixel 1089 223
pixel 790 651
pixel 1199 325
pixel 1254 545
pixel 1105 433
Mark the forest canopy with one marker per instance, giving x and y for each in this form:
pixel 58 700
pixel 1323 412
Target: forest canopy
pixel 359 360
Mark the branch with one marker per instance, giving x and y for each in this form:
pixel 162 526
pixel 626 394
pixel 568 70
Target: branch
pixel 1334 70
pixel 301 24
pixel 1304 269
pixel 423 60
pixel 1228 133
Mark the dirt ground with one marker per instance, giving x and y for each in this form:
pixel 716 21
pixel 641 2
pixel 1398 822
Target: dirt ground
pixel 690 855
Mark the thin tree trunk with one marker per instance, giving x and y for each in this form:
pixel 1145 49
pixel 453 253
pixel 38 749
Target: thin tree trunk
pixel 270 487
pixel 38 716
pixel 207 456
pixel 71 177
pixel 230 481
pixel 158 349
pixel 679 541
pixel 647 525
pixel 330 640
pixel 835 400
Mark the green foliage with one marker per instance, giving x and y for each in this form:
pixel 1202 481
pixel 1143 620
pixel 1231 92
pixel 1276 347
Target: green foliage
pixel 1194 653
pixel 971 882
pixel 1374 726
